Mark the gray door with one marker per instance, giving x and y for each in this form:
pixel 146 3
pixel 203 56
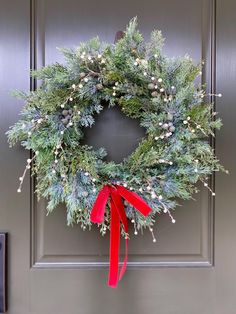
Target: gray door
pixel 55 269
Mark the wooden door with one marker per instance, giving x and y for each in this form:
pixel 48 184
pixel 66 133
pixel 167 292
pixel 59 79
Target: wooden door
pixel 58 269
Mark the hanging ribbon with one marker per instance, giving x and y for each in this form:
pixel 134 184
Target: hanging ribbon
pixel 116 193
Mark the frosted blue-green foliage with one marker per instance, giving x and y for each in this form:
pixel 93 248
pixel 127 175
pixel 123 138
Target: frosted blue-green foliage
pixel 146 85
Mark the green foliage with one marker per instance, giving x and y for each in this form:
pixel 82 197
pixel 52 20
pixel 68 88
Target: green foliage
pixel 159 91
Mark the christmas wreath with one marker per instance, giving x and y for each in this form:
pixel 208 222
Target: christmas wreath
pixel 158 91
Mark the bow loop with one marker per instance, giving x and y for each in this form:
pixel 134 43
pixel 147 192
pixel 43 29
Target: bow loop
pixel 98 211
pixel 135 200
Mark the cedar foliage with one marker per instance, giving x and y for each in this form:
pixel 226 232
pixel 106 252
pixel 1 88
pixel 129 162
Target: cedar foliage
pixel 124 74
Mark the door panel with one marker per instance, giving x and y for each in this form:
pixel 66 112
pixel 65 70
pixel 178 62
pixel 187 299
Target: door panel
pixel 60 269
pixel 177 245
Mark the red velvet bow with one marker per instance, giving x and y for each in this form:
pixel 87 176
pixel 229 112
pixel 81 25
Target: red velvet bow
pixel 116 193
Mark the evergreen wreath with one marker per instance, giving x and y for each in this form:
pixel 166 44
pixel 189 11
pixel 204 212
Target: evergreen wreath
pixel 160 92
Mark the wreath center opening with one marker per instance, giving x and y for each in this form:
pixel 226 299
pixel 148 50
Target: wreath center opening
pixel 117 133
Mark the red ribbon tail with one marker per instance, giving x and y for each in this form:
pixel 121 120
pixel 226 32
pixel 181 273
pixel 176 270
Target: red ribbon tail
pixel 124 265
pixel 114 247
pixel 123 219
